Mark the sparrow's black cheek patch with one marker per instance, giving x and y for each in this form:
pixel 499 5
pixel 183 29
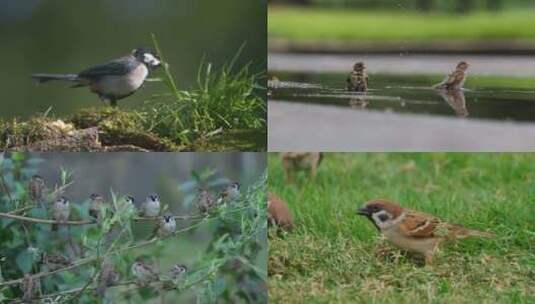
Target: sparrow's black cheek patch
pixel 383 217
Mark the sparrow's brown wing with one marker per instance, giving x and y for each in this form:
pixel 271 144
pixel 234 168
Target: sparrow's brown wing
pixel 455 77
pixel 419 225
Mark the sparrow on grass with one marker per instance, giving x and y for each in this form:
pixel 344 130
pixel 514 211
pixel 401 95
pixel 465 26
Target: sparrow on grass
pixel 412 230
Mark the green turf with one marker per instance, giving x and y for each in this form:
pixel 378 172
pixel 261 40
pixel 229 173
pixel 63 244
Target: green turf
pixel 335 256
pixel 321 24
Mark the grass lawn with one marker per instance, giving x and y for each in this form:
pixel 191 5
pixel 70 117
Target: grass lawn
pixel 320 24
pixel 335 256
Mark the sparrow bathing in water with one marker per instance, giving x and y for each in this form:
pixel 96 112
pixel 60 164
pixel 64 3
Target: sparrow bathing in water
pixel 412 230
pixel 357 80
pixel 455 80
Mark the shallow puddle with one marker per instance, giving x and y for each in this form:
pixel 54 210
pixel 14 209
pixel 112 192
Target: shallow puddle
pixel 410 94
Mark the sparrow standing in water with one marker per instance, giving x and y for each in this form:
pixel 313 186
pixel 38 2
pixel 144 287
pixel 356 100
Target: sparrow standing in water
pixel 107 277
pixel 230 193
pixel 456 79
pixel 61 211
pixel 166 226
pixel 115 79
pixel 205 201
pixel 35 189
pixel 357 80
pixel 144 273
pixel 151 206
pixel 94 206
pixel 414 231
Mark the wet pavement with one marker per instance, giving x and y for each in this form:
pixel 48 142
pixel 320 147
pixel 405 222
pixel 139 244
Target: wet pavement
pixel 306 127
pixel 408 94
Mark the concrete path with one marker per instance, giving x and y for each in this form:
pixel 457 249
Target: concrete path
pixel 520 66
pixel 301 127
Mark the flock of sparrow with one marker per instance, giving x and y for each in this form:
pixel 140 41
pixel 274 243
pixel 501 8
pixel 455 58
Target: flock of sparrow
pixel 142 270
pixel 357 80
pixel 407 229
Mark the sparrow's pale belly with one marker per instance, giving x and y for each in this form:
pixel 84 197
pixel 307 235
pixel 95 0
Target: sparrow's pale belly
pixel 122 85
pixel 421 245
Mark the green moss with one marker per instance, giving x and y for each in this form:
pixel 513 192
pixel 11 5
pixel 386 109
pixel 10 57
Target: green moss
pixel 21 133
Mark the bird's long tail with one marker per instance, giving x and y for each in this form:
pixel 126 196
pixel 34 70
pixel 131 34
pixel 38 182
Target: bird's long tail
pixel 40 78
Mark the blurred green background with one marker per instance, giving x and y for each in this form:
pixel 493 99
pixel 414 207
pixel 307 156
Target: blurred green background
pixel 174 176
pixel 424 21
pixel 64 36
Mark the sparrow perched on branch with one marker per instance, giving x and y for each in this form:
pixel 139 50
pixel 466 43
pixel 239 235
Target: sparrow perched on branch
pixel 357 80
pixel 205 201
pixel 229 194
pixel 35 188
pixel 278 213
pixel 166 226
pixel 55 261
pixel 61 211
pixel 412 230
pixel 151 206
pixel 107 277
pixel 456 79
pixel 177 271
pixel 144 273
pixel 94 206
pixel 300 161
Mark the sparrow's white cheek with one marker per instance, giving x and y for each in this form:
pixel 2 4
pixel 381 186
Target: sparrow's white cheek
pixel 151 60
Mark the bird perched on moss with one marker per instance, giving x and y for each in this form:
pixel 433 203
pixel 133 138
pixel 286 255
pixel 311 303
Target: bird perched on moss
pixel 455 80
pixel 115 79
pixel 357 80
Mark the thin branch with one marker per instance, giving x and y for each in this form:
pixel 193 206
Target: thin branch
pixel 44 221
pixel 6 189
pixel 60 190
pixel 92 259
pixel 23 209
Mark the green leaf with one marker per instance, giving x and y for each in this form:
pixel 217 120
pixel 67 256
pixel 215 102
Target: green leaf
pixel 25 260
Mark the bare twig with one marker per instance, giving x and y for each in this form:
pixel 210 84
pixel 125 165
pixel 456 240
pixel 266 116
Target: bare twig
pixel 89 260
pixel 6 189
pixel 44 221
pixel 60 190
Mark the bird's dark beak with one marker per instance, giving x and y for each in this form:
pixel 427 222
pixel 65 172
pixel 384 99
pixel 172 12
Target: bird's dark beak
pixel 363 211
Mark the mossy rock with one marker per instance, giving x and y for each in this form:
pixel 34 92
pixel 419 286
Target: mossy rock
pixel 19 134
pixel 121 128
pixel 108 119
